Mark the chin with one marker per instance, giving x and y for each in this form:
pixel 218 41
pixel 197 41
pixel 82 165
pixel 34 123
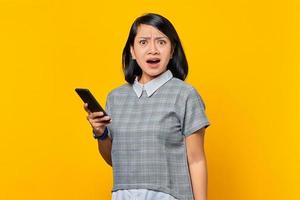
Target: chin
pixel 154 71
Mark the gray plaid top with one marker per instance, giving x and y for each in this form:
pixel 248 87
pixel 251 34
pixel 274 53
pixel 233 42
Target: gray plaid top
pixel 149 125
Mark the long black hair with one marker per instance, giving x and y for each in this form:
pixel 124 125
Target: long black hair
pixel 178 65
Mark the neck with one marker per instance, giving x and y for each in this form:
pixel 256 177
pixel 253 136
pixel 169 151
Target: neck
pixel 145 78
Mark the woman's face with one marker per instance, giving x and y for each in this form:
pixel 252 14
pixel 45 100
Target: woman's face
pixel 152 51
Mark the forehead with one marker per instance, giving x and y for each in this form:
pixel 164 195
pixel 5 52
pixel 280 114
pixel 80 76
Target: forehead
pixel 145 30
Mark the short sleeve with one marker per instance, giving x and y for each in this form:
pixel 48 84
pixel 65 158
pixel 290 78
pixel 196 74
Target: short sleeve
pixel 194 117
pixel 108 111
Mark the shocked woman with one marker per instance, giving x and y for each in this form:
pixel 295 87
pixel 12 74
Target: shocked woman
pixel 154 134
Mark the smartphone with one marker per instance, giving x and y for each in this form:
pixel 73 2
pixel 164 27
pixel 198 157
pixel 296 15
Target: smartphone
pixel 88 98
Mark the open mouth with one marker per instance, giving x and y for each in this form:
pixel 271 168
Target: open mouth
pixel 153 61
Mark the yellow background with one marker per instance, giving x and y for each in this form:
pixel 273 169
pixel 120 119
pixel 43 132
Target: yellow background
pixel 244 61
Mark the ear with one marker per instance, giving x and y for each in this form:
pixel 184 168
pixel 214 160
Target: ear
pixel 132 52
pixel 172 52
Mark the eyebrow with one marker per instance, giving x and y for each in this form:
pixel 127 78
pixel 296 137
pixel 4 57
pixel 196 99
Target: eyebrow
pixel 155 37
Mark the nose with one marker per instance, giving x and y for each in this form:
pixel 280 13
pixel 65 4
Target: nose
pixel 153 48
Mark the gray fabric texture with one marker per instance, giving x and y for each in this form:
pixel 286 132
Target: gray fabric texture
pixel 148 130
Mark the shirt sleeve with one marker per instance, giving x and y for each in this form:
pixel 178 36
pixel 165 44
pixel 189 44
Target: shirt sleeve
pixel 194 117
pixel 108 111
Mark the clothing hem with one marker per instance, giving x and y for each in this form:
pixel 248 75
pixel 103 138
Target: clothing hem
pixel 147 186
pixel 199 126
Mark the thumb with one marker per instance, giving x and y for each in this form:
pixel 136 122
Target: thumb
pixel 86 108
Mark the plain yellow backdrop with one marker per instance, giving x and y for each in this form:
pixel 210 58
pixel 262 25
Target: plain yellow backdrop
pixel 243 59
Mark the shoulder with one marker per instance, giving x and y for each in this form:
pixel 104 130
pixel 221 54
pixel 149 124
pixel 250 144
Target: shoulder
pixel 186 93
pixel 183 87
pixel 122 90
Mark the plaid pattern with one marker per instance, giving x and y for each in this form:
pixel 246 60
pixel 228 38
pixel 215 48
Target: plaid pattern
pixel 148 130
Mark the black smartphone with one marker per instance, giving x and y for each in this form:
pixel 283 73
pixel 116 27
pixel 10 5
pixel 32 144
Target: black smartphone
pixel 88 98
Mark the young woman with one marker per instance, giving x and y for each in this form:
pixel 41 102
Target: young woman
pixel 154 134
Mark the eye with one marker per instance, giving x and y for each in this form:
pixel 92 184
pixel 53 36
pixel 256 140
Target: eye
pixel 143 42
pixel 162 42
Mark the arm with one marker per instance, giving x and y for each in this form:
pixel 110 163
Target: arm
pixel 96 120
pixel 197 164
pixel 104 148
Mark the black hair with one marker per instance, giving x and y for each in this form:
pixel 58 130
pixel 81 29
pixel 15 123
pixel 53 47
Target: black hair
pixel 178 64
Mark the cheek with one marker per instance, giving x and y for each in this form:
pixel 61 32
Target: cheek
pixel 166 51
pixel 140 52
pixel 167 55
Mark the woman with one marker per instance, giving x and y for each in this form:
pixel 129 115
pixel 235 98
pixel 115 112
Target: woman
pixel 154 134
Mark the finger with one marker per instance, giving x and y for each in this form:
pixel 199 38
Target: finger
pixel 85 106
pixel 102 119
pixel 107 122
pixel 96 114
pixel 97 125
